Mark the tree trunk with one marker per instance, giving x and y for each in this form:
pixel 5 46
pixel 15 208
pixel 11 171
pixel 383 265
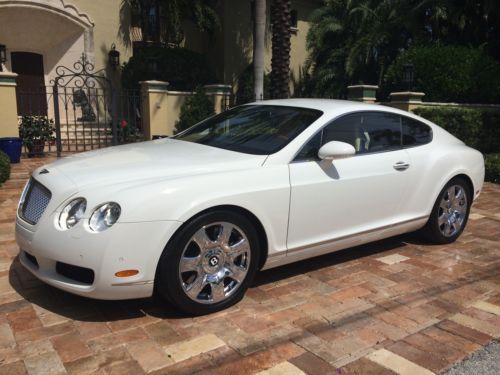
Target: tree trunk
pixel 280 63
pixel 259 48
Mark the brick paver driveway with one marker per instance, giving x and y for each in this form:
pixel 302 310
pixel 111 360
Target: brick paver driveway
pixel 393 306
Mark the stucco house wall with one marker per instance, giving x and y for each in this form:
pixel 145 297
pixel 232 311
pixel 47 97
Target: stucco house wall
pixel 229 51
pixel 60 30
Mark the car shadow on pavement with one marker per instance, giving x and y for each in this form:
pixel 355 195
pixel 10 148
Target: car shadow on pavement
pixel 330 259
pixel 53 300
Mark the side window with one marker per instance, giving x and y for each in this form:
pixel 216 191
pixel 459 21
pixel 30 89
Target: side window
pixel 415 133
pixel 366 131
pixel 383 129
pixel 346 129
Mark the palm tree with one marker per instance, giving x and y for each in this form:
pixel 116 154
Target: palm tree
pixel 334 28
pixel 353 41
pixel 281 35
pixel 385 27
pixel 259 48
pixel 467 22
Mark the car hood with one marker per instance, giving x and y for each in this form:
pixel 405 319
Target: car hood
pixel 159 159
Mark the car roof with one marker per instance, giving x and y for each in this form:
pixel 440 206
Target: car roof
pixel 333 106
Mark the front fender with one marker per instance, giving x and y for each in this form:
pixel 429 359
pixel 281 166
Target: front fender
pixel 264 191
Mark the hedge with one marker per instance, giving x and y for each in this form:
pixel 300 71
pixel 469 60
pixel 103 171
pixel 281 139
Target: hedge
pixel 492 166
pixel 4 167
pixel 196 108
pixel 477 127
pixel 245 92
pixel 447 74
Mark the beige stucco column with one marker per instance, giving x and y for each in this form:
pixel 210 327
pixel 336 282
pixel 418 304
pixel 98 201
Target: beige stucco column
pixel 8 105
pixel 362 93
pixel 220 96
pixel 161 108
pixel 154 96
pixel 406 100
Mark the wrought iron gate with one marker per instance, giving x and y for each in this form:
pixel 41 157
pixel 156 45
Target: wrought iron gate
pixel 88 110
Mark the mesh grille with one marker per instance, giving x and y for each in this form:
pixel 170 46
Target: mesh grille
pixel 36 201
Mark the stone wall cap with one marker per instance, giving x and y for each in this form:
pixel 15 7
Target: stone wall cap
pixel 154 82
pixel 218 86
pixel 407 93
pixel 218 89
pixel 363 86
pixel 180 93
pixel 8 74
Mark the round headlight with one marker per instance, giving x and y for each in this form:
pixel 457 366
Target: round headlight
pixel 72 213
pixel 104 216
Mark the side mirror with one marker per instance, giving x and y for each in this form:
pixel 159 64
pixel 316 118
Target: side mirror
pixel 336 150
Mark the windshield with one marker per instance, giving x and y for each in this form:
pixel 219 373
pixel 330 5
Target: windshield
pixel 252 129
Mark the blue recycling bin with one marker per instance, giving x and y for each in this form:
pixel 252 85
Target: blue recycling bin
pixel 12 147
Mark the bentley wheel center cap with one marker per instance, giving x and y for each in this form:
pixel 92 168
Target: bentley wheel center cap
pixel 213 261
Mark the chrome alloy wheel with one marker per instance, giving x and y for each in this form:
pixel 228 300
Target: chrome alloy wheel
pixel 214 262
pixel 452 210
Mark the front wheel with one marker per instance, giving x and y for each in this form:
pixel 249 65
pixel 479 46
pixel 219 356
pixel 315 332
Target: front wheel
pixel 209 263
pixel 450 212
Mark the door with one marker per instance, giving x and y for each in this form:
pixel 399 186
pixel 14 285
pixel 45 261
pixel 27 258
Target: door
pixel 30 89
pixel 353 195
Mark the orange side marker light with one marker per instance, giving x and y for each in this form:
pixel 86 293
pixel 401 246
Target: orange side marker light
pixel 126 273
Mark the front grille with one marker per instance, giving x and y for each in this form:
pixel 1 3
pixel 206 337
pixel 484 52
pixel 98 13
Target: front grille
pixel 35 202
pixel 81 274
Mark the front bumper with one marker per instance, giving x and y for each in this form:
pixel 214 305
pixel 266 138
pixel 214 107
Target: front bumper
pixel 124 246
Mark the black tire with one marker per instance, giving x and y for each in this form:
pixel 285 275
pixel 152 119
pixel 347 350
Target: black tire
pixel 432 231
pixel 168 284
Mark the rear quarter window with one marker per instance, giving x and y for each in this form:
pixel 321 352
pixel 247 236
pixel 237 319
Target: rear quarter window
pixel 415 133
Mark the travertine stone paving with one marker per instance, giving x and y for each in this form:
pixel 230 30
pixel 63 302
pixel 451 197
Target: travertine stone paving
pixel 395 306
pixel 396 363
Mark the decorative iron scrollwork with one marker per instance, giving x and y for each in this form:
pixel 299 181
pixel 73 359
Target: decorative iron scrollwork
pixel 82 75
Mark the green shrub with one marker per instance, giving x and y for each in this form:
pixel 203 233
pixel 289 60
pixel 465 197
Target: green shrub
pixel 492 167
pixel 4 167
pixel 245 92
pixel 447 74
pixel 183 69
pixel 36 129
pixel 195 109
pixel 478 128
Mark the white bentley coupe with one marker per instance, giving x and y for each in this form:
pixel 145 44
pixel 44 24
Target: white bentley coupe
pixel 195 216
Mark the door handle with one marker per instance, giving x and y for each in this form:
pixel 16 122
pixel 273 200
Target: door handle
pixel 401 166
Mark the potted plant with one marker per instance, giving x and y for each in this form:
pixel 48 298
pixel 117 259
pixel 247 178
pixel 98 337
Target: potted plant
pixel 128 133
pixel 35 131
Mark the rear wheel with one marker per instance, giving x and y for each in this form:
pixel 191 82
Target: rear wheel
pixel 450 212
pixel 209 263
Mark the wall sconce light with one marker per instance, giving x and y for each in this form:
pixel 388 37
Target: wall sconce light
pixel 3 55
pixel 114 57
pixel 408 75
